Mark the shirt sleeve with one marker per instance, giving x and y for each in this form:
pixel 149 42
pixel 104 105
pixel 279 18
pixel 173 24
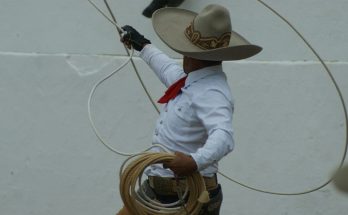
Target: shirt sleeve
pixel 166 69
pixel 215 111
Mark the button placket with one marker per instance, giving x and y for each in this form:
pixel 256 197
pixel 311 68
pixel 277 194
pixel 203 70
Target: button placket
pixel 161 121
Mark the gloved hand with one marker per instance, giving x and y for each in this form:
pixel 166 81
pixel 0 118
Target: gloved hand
pixel 157 4
pixel 134 38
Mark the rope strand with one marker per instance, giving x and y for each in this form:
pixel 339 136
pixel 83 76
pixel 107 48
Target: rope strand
pixel 130 176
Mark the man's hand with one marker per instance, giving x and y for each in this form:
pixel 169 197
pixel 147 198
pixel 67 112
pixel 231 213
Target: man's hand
pixel 181 165
pixel 133 38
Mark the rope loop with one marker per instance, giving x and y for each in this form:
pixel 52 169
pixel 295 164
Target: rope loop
pixel 136 201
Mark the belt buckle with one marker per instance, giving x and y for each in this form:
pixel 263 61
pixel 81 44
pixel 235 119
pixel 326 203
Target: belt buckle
pixel 169 186
pixel 162 185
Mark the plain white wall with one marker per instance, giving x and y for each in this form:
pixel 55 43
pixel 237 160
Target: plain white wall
pixel 289 124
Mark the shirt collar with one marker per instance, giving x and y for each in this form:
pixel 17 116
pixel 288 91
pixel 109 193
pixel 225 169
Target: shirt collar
pixel 202 73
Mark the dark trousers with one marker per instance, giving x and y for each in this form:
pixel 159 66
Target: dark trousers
pixel 210 208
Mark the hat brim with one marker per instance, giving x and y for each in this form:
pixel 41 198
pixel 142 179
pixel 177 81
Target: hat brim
pixel 170 24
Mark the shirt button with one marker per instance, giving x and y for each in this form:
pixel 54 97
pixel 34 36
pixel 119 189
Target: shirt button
pixel 179 109
pixel 161 122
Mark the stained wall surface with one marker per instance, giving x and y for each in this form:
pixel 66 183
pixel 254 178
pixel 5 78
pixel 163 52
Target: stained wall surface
pixel 289 122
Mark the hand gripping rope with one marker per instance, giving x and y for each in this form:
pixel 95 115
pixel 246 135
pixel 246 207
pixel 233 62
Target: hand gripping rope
pixel 127 187
pixel 130 176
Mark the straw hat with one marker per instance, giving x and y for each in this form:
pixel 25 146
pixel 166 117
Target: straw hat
pixel 207 35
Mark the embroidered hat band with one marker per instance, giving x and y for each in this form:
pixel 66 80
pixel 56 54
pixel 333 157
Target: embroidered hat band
pixel 207 42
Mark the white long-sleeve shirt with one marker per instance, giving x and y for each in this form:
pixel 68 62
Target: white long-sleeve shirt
pixel 198 121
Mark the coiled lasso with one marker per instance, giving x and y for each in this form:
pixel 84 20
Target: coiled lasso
pixel 139 204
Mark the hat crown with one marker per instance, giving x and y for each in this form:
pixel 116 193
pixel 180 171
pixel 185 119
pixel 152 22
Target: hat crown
pixel 213 21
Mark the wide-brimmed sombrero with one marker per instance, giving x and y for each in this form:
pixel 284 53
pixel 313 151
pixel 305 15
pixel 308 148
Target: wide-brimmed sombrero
pixel 207 35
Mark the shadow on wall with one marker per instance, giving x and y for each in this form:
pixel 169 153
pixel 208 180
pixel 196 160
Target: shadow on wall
pixel 341 179
pixel 157 4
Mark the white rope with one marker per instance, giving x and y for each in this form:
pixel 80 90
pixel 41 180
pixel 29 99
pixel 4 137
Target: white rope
pixel 105 16
pixel 221 173
pixel 97 133
pixel 144 203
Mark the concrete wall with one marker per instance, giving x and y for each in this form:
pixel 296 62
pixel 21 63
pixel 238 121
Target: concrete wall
pixel 289 124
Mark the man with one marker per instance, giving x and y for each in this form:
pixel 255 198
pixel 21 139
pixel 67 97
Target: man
pixel 196 118
pixel 157 4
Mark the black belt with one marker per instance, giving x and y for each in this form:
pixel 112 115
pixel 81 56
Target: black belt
pixel 169 186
